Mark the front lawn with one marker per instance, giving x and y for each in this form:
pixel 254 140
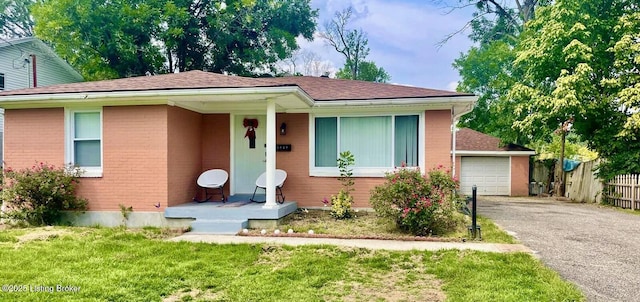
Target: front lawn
pixel 100 264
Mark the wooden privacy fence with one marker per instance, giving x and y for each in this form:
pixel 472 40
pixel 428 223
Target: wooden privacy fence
pixel 624 191
pixel 582 184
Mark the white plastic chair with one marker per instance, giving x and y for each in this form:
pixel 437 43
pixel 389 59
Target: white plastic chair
pixel 261 182
pixel 212 180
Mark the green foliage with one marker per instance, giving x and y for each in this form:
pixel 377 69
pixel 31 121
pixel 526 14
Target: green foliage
pixel 125 212
pixel 39 194
pixel 625 80
pixel 367 71
pixel 576 60
pixel 563 56
pixel 341 203
pixel 574 148
pixel 131 37
pixel 487 69
pixel 345 162
pixel 419 205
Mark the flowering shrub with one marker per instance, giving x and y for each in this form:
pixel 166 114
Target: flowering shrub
pixel 39 195
pixel 420 205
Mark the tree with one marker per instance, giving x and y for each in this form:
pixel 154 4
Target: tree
pixel 487 71
pixel 304 62
pixel 563 56
pixel 352 44
pixel 102 39
pixel 15 19
pixel 132 37
pixel 493 19
pixel 368 71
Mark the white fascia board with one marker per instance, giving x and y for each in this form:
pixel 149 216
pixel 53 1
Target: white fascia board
pixel 89 97
pixel 493 153
pixel 452 100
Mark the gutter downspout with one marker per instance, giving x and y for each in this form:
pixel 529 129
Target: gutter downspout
pixel 455 117
pixel 453 143
pixel 33 66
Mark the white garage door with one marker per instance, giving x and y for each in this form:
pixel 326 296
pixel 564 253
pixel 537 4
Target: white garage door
pixel 490 174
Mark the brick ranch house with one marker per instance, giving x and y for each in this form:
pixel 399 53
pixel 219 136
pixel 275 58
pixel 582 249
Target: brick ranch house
pixel 143 141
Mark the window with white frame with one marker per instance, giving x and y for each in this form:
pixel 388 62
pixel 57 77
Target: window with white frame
pixel 1 81
pixel 84 140
pixel 375 141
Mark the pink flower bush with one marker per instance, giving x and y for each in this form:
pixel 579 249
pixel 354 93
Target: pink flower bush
pixel 419 204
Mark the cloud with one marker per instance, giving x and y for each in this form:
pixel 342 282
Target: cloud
pixel 452 86
pixel 403 37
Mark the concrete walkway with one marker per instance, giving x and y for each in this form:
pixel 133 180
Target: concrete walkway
pixel 394 245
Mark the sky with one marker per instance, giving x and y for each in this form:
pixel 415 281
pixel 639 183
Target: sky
pixel 403 39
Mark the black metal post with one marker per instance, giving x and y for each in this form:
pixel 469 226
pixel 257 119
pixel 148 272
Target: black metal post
pixel 474 228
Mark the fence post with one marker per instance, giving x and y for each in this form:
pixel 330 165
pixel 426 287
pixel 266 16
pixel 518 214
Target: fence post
pixel 634 182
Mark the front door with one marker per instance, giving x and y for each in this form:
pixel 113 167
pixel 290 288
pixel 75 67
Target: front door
pixel 249 158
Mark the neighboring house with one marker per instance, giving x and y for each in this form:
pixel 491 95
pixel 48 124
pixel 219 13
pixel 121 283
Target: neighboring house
pixel 495 168
pixel 28 62
pixel 143 141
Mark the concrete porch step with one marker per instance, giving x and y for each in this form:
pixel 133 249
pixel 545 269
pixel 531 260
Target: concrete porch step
pixel 218 226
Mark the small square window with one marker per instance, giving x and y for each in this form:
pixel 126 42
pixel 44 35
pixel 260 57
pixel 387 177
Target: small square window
pixel 1 81
pixel 84 141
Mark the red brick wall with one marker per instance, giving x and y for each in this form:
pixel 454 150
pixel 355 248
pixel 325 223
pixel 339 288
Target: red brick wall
pixel 184 154
pixel 153 154
pixel 519 175
pixel 32 135
pixel 216 144
pixel 135 160
pixel 306 190
pixel 437 138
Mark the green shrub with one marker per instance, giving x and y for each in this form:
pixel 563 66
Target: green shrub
pixel 341 203
pixel 39 194
pixel 419 205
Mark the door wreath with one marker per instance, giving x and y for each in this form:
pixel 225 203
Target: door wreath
pixel 251 125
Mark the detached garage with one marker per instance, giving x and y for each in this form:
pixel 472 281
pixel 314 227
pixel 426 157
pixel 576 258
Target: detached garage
pixel 495 169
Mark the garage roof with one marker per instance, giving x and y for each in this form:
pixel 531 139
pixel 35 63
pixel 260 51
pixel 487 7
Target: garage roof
pixel 472 140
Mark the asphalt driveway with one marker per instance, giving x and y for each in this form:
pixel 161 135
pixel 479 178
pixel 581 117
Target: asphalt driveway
pixel 596 248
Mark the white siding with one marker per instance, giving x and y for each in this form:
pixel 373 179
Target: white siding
pixel 18 72
pixel 15 74
pixel 50 70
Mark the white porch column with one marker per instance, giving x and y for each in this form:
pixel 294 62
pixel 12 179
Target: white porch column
pixel 271 154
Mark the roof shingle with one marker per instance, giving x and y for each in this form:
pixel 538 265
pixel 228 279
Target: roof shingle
pixel 471 140
pixel 318 88
pixel 325 89
pixel 184 80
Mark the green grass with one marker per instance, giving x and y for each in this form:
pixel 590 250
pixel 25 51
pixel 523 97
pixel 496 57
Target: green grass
pixel 623 210
pixel 368 224
pixel 490 232
pixel 475 276
pixel 138 265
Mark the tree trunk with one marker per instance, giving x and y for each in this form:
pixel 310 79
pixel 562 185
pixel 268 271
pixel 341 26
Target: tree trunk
pixel 559 175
